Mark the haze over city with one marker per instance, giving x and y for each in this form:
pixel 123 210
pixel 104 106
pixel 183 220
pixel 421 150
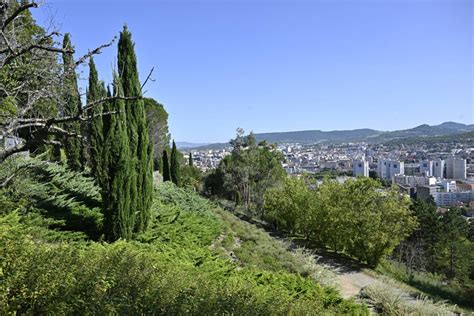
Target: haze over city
pixel 274 66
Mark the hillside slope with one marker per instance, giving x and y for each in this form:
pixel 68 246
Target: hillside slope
pixel 175 267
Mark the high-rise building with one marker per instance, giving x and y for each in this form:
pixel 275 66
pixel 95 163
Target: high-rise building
pixel 426 167
pixel 456 168
pixel 438 168
pixel 388 168
pixel 360 168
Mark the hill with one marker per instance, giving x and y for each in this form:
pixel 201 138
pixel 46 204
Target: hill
pixel 194 259
pixel 357 135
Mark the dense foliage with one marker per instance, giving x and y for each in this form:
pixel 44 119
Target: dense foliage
pixel 442 244
pixel 355 217
pixel 246 174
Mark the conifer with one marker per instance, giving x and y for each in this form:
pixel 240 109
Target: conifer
pixel 72 107
pixel 96 91
pixel 118 216
pixel 166 166
pixel 174 168
pixel 141 149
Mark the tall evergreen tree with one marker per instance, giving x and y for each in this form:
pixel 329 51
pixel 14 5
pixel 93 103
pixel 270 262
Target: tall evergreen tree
pixel 118 215
pixel 166 166
pixel 141 148
pixel 72 101
pixel 96 91
pixel 174 168
pixel 190 159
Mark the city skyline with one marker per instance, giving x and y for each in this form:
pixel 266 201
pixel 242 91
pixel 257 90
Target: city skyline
pixel 275 66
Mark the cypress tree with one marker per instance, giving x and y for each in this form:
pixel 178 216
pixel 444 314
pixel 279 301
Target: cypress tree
pixel 166 166
pixel 118 216
pixel 141 149
pixel 72 100
pixel 190 159
pixel 96 91
pixel 174 169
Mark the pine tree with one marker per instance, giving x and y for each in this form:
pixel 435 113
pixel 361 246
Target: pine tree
pixel 118 215
pixel 166 166
pixel 96 91
pixel 190 159
pixel 141 148
pixel 174 168
pixel 72 100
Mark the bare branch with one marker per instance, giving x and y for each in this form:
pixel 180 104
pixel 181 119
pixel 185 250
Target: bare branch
pixel 95 51
pixel 148 78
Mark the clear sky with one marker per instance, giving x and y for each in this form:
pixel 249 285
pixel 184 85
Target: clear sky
pixel 288 65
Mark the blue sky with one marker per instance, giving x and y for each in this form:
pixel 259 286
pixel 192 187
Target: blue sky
pixel 288 65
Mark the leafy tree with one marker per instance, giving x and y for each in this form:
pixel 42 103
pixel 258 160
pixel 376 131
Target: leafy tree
pixel 157 119
pixel 355 217
pixel 72 101
pixel 249 171
pixel 166 166
pixel 141 149
pixel 175 165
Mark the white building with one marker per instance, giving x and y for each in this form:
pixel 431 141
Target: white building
pixel 426 167
pixel 360 168
pixel 388 168
pixel 456 168
pixel 413 181
pixel 449 186
pixel 438 168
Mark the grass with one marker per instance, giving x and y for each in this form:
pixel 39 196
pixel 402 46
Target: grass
pixel 429 284
pixel 387 299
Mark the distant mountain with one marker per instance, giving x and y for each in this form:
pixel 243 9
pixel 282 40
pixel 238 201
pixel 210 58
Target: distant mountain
pixel 357 135
pixel 186 145
pixel 318 136
pixel 367 135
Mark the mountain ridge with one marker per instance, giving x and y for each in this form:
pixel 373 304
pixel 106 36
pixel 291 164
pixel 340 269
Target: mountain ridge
pixel 355 135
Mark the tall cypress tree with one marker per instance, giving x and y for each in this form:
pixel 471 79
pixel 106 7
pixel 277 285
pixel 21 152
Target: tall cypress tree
pixel 141 148
pixel 118 215
pixel 96 91
pixel 72 101
pixel 190 159
pixel 166 166
pixel 174 169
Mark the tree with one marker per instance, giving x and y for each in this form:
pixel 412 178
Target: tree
pixel 118 213
pixel 157 119
pixel 175 165
pixel 141 149
pixel 166 166
pixel 190 159
pixel 73 107
pixel 96 91
pixel 250 170
pixel 33 83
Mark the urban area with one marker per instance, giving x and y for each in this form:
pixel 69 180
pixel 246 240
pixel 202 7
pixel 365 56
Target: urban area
pixel 443 173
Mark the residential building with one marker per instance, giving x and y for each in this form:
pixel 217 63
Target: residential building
pixel 438 168
pixel 388 168
pixel 360 168
pixel 426 167
pixel 456 168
